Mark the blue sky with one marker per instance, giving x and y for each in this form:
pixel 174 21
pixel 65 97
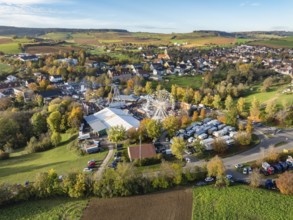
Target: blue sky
pixel 163 16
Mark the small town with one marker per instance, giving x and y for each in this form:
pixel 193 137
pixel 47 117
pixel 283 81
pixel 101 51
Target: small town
pixel 97 121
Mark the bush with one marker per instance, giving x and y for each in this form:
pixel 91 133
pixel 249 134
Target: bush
pixel 39 145
pixel 74 146
pixel 4 155
pixel 244 138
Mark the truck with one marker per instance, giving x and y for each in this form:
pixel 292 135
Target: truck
pixel 267 168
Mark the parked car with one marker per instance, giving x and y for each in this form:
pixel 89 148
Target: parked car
pixel 201 183
pixel 245 171
pixel 209 179
pixel 270 184
pixel 239 165
pixel 187 160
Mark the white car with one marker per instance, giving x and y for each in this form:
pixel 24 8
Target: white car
pixel 190 140
pixel 209 179
pixel 245 171
pixel 187 160
pixel 238 165
pixel 188 152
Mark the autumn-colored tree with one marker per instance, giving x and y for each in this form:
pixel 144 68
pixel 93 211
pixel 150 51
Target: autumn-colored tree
pixel 272 154
pixel 284 183
pixel 202 113
pixel 154 129
pixel 142 127
pixel 171 124
pixel 195 116
pixel 255 109
pixel 149 88
pixel 229 103
pixel 240 105
pixel 116 134
pixel 216 167
pixel 133 134
pixel 197 97
pixel 185 121
pixel 130 84
pixel 219 145
pixel 75 117
pixel 178 147
pixel 249 126
pixel 217 102
pixel 255 178
pixel 174 91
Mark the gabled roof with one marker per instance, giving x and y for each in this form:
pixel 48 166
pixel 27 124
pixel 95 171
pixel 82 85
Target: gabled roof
pixel 147 151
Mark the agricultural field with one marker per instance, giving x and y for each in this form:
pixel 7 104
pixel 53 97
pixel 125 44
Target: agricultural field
pixel 9 45
pixel 58 208
pixel 50 49
pixel 286 42
pixel 240 202
pixel 22 166
pixel 171 205
pixel 58 36
pixel 141 38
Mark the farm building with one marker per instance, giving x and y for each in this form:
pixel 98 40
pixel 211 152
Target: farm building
pixel 147 151
pixel 109 117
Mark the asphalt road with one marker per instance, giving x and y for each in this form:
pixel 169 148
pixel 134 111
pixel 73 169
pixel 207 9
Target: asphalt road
pixel 254 153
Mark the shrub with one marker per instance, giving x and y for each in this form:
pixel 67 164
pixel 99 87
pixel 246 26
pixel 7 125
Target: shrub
pixel 244 138
pixel 284 183
pixel 39 145
pixel 4 155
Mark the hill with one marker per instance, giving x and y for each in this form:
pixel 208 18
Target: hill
pixel 25 31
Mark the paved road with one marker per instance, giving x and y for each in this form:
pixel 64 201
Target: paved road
pixel 254 153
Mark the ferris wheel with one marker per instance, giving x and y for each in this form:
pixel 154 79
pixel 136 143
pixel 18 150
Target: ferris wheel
pixel 158 104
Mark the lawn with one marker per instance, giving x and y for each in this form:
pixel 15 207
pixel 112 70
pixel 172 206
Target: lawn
pixel 194 82
pixel 240 202
pixel 22 166
pixel 10 48
pixel 275 94
pixel 58 208
pixel 4 68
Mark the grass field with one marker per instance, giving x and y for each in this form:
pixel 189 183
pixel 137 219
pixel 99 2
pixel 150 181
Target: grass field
pixel 22 166
pixel 286 42
pixel 275 95
pixel 171 205
pixel 194 82
pixel 4 68
pixel 240 202
pixel 53 209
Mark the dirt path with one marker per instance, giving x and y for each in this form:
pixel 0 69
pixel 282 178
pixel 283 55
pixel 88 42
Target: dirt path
pixel 106 161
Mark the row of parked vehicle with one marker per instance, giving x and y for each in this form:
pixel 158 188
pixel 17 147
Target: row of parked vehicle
pixel 206 131
pixel 281 166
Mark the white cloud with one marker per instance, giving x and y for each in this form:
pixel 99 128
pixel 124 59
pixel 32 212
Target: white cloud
pixel 26 2
pixel 248 3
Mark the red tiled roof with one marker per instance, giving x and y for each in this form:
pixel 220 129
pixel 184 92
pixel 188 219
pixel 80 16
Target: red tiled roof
pixel 147 151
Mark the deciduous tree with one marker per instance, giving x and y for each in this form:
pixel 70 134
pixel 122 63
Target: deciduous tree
pixel 178 147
